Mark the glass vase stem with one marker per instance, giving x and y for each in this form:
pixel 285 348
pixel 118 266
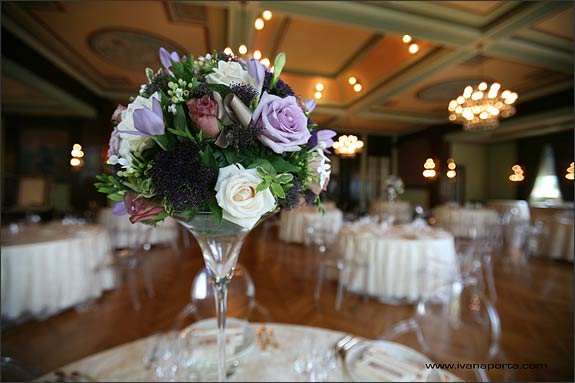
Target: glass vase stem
pixel 221 296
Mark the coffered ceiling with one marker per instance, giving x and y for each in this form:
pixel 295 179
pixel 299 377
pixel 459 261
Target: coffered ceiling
pixel 527 46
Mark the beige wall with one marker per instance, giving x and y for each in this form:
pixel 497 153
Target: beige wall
pixel 500 158
pixel 473 158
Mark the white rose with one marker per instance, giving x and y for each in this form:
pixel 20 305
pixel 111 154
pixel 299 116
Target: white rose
pixel 319 168
pixel 236 194
pixel 229 72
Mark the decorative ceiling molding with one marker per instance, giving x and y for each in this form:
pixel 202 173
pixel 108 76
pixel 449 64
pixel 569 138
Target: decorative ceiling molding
pixel 69 105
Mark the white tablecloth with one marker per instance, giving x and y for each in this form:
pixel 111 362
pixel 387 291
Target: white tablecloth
pixel 121 229
pixel 404 262
pixel 272 364
pixel 505 205
pixel 49 268
pixel 402 210
pixel 558 226
pixel 293 222
pixel 459 221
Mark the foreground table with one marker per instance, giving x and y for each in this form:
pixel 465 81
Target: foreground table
pixel 264 362
pixel 52 267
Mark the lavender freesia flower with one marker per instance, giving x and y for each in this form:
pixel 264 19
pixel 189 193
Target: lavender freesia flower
pixel 119 208
pixel 165 57
pixel 149 122
pixel 310 105
pixel 257 72
pixel 326 136
pixel 284 123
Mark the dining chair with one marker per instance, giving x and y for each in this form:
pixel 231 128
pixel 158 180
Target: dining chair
pixel 454 324
pixel 132 256
pixel 242 302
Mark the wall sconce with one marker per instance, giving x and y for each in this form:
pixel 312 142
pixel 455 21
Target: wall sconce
pixel 348 146
pixel 517 175
pixel 569 174
pixel 429 166
pixel 451 173
pixel 77 161
pixel 318 90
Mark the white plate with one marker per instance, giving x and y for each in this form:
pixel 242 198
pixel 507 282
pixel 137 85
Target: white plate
pixel 241 338
pixel 357 355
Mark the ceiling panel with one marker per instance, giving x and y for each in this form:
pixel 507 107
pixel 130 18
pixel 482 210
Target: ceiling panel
pixel 320 47
pixel 560 24
pixel 476 7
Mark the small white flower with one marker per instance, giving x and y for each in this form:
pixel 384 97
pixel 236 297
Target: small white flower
pixel 172 109
pixel 179 92
pixel 143 88
pixel 319 168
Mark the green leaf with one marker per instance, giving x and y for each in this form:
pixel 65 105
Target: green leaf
pixel 209 159
pixel 149 74
pixel 283 178
pixel 264 164
pixel 220 88
pixel 231 155
pixel 215 209
pixel 262 186
pixel 179 132
pixel 178 69
pixel 180 118
pixel 279 64
pixel 278 190
pixel 281 165
pixel 116 197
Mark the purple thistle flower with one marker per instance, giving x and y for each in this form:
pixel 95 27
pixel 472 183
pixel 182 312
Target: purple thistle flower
pixel 245 92
pixel 281 89
pixel 293 196
pixel 180 177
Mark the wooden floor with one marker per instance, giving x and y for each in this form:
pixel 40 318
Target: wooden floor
pixel 535 304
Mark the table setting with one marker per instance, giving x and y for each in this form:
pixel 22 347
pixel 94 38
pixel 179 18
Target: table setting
pixel 270 352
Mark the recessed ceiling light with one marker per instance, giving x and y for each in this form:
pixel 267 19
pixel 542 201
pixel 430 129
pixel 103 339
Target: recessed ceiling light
pixel 406 39
pixel 319 86
pixel 267 15
pixel 259 24
pixel 243 49
pixel 413 48
pixel 352 80
pixel 357 87
pixel 257 54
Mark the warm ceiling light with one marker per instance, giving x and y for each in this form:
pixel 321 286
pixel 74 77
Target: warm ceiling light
pixel 267 15
pixel 413 48
pixel 257 54
pixel 318 95
pixel 480 109
pixel 243 49
pixel 265 61
pixel 77 147
pixel 517 175
pixel 451 174
pixel 347 146
pixel 259 24
pixel 569 174
pixel 406 39
pixel 357 87
pixel 75 161
pixel 351 80
pixel 228 51
pixel 319 86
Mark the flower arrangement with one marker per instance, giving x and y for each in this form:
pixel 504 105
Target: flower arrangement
pixel 215 134
pixel 394 187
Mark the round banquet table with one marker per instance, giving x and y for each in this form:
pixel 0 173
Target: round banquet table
pixel 403 262
pixel 262 363
pixel 401 210
pixel 459 220
pixel 51 267
pixel 293 222
pixel 121 229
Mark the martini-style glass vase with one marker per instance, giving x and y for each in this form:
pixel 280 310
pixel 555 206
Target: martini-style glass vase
pixel 221 243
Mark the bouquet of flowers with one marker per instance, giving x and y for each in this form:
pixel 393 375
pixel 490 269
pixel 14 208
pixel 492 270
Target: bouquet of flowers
pixel 215 134
pixel 393 186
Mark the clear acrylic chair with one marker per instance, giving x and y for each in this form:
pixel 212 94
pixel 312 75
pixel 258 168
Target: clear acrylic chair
pixel 130 256
pixel 454 324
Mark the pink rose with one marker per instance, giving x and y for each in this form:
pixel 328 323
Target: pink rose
pixel 141 209
pixel 117 115
pixel 204 112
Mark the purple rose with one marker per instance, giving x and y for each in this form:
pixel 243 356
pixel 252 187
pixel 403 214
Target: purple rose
pixel 284 123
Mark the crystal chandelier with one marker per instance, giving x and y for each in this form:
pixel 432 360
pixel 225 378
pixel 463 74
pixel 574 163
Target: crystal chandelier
pixel 480 109
pixel 347 146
